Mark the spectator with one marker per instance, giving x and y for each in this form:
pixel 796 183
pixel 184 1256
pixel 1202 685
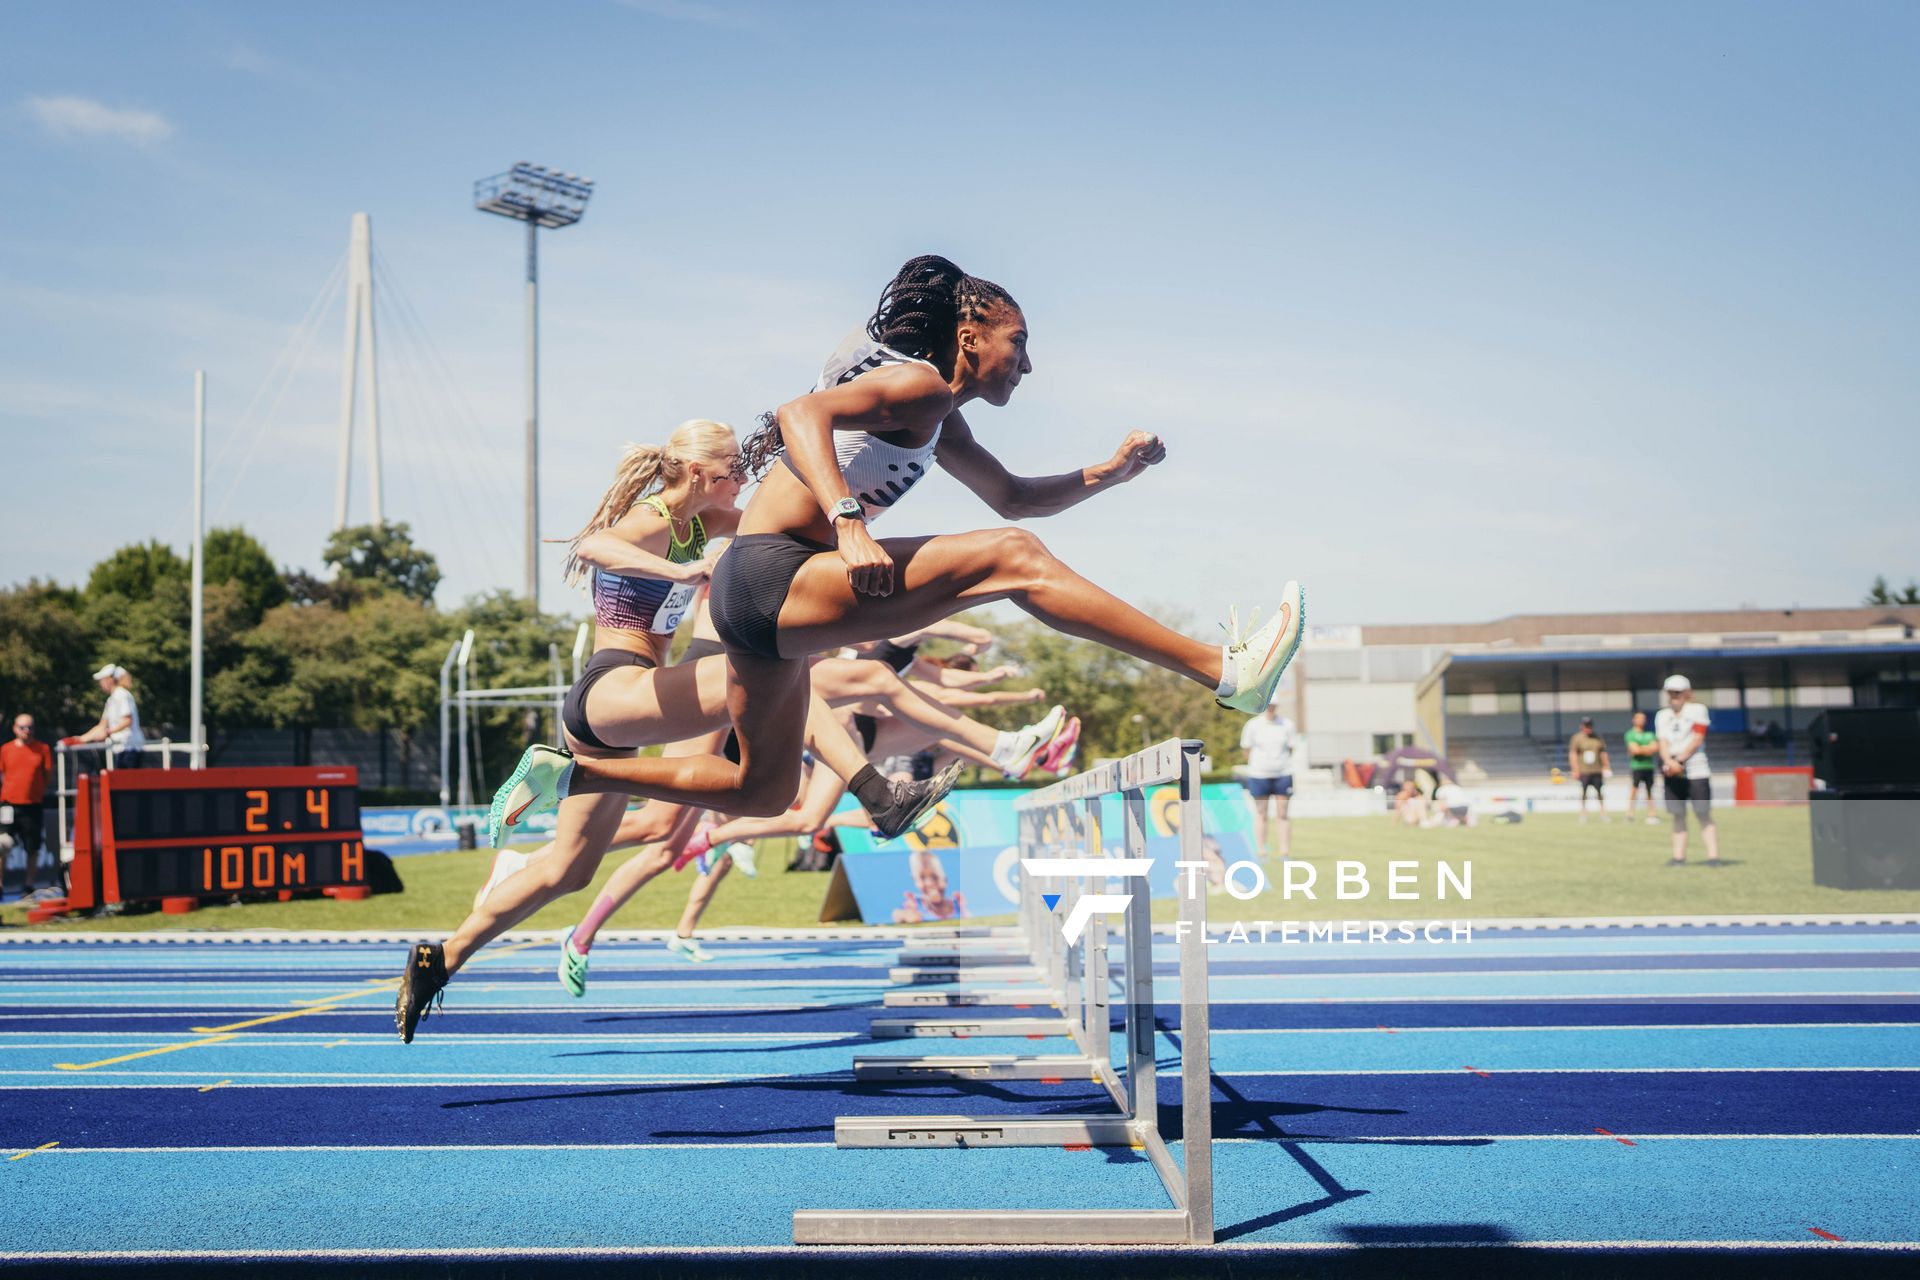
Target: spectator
pixel 1587 760
pixel 1410 805
pixel 1268 740
pixel 25 766
pixel 119 725
pixel 1681 728
pixel 1643 758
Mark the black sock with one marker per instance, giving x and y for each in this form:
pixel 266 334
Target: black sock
pixel 872 791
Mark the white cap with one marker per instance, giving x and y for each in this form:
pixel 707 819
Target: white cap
pixel 1678 684
pixel 109 670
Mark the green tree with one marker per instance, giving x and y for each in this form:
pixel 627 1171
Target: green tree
pixel 384 556
pixel 1881 593
pixel 136 571
pixel 373 665
pixel 43 647
pixel 233 555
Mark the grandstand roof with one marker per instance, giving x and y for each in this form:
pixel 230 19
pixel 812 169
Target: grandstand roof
pixel 1546 630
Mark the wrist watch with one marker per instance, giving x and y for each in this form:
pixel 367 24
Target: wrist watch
pixel 848 509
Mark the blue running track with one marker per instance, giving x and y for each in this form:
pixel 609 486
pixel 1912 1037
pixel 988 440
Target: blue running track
pixel 1613 1098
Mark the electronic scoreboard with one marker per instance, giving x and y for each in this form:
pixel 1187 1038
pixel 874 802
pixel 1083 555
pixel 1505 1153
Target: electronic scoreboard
pixel 143 834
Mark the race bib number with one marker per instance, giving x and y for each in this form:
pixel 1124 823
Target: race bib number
pixel 673 610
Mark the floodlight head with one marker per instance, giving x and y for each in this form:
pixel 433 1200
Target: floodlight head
pixel 536 194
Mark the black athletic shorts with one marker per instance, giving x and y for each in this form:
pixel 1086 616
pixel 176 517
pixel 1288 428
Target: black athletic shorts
pixel 750 584
pixel 868 728
pixel 1595 782
pixel 573 712
pixel 1684 792
pixel 1642 778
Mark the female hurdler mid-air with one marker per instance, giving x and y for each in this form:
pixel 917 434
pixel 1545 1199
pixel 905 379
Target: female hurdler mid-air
pixel 804 576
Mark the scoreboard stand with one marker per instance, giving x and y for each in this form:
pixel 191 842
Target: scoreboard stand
pixel 182 837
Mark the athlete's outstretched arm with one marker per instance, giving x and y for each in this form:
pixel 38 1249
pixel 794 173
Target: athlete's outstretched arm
pixel 1021 497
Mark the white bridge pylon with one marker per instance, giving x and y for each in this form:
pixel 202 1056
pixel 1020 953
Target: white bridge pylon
pixel 359 316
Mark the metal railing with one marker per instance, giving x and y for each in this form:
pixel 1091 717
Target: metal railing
pixel 1060 845
pixel 66 777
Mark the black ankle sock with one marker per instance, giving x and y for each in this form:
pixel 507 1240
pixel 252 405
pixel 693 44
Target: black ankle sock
pixel 870 789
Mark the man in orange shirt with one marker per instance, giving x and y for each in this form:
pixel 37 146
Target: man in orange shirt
pixel 25 766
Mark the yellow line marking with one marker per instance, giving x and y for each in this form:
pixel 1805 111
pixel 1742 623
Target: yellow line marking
pixel 210 1088
pixel 333 1044
pixel 24 1154
pixel 323 1004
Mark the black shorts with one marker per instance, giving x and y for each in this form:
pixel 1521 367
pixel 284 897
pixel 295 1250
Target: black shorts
pixel 868 728
pixel 750 584
pixel 1594 782
pixel 1642 778
pixel 1684 791
pixel 573 712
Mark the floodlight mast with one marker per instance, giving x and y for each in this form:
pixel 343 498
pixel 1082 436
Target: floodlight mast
pixel 539 197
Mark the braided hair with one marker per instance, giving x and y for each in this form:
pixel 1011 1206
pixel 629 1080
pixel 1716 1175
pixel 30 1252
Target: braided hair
pixel 919 314
pixel 925 304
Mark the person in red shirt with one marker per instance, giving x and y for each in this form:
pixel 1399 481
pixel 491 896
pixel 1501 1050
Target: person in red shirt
pixel 25 766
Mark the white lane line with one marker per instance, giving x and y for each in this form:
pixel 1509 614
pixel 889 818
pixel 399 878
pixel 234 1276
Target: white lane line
pixel 572 1250
pixel 827 1143
pixel 451 1079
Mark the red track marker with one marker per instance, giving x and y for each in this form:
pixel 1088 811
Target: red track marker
pixel 1477 1071
pixel 1389 1030
pixel 1827 1235
pixel 1049 1079
pixel 1625 1142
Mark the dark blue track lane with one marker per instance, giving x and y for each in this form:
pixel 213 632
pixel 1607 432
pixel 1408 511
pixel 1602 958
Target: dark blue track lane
pixel 1722 1088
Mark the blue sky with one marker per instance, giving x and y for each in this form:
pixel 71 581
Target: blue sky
pixel 1450 311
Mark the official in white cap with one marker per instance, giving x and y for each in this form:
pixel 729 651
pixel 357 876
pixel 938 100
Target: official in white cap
pixel 1681 731
pixel 119 724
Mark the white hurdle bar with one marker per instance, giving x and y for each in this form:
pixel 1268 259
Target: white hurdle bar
pixel 1083 973
pixel 1034 953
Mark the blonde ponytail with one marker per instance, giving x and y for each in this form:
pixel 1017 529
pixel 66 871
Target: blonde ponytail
pixel 645 468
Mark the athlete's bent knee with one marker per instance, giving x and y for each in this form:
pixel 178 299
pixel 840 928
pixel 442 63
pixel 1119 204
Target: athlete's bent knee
pixel 569 879
pixel 1021 553
pixel 766 791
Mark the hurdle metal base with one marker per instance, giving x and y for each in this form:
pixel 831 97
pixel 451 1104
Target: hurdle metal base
pixel 961 1028
pixel 993 1226
pixel 937 975
pixel 1101 1130
pixel 944 958
pixel 1058 1066
pixel 937 997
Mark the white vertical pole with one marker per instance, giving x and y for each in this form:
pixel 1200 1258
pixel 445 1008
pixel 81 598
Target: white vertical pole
pixel 349 374
pixel 363 244
pixel 533 413
pixel 466 764
pixel 196 682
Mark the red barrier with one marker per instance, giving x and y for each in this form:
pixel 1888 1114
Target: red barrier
pixel 1787 784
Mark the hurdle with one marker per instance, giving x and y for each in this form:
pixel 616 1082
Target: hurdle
pixel 1077 979
pixel 1033 954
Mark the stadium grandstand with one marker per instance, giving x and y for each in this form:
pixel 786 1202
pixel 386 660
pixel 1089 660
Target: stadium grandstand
pixel 1500 699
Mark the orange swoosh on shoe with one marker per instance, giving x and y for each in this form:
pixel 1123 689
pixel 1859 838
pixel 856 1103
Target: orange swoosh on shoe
pixel 513 819
pixel 1287 610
